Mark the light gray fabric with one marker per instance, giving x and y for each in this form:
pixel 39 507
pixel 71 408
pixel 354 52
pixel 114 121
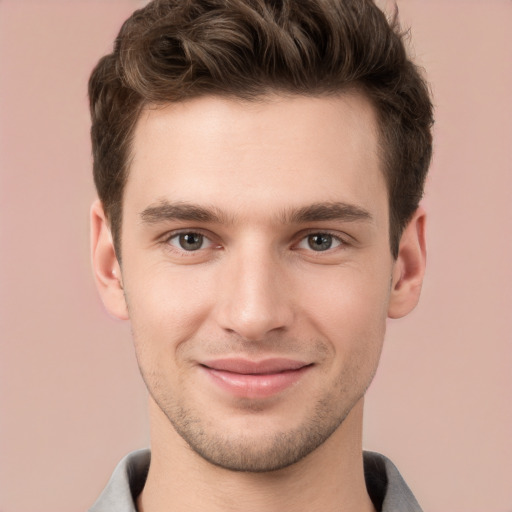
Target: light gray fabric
pixel 385 485
pixel 125 484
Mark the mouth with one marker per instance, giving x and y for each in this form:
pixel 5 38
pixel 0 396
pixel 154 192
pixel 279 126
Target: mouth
pixel 255 379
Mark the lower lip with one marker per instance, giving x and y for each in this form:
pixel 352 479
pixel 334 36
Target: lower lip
pixel 255 386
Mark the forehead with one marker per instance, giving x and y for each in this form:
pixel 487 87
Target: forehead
pixel 249 157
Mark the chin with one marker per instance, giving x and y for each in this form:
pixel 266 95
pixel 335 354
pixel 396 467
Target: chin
pixel 257 445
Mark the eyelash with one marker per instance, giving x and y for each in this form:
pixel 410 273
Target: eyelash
pixel 341 241
pixel 180 251
pixel 335 237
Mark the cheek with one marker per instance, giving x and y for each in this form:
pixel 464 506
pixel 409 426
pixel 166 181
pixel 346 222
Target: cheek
pixel 346 299
pixel 166 308
pixel 161 294
pixel 350 313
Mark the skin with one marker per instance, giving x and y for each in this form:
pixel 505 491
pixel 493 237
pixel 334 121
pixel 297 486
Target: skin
pixel 269 274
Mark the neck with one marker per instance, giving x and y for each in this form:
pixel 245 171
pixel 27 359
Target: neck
pixel 330 479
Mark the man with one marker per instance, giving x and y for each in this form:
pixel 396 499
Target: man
pixel 259 166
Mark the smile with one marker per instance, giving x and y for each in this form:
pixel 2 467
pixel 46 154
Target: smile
pixel 250 379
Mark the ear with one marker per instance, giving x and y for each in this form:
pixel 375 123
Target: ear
pixel 409 267
pixel 107 271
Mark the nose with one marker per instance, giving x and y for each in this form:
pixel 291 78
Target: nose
pixel 254 298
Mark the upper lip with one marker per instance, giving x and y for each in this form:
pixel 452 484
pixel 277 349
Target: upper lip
pixel 249 367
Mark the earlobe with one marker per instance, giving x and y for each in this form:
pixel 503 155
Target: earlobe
pixel 107 271
pixel 409 267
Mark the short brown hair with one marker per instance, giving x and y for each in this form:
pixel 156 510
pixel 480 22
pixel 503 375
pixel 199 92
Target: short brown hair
pixel 172 50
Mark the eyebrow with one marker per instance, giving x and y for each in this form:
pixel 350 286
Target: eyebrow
pixel 327 211
pixel 317 212
pixel 165 211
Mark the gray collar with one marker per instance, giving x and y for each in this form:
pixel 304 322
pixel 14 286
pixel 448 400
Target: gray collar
pixel 386 486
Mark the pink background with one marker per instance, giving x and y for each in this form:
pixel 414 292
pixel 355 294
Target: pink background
pixel 71 400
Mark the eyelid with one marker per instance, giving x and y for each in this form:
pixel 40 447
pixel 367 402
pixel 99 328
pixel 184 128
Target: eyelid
pixel 177 235
pixel 342 238
pixel 207 237
pixel 185 231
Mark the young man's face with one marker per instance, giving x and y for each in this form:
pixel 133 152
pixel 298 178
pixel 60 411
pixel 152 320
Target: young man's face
pixel 257 271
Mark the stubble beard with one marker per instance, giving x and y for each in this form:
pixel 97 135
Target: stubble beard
pixel 268 452
pixel 276 449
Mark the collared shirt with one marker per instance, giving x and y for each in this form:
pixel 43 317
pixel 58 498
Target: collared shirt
pixel 385 485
